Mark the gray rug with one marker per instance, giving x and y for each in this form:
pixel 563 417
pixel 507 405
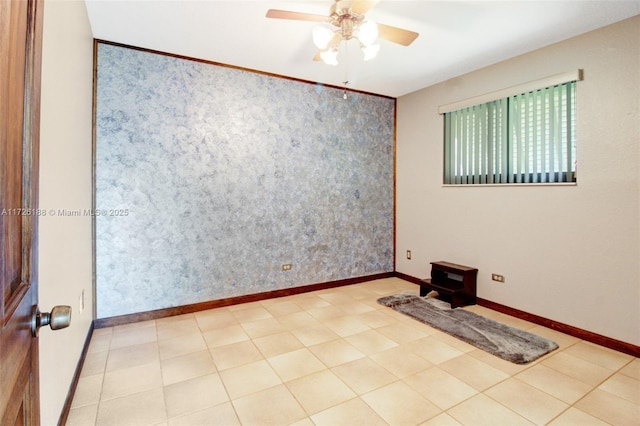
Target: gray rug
pixel 511 344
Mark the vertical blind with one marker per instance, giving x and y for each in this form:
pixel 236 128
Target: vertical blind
pixel 526 138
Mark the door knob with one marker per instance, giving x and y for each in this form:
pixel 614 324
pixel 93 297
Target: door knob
pixel 59 317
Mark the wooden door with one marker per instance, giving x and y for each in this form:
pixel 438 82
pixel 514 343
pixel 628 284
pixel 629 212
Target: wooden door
pixel 20 60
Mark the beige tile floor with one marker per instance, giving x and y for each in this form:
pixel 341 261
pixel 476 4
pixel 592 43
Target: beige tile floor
pixel 336 357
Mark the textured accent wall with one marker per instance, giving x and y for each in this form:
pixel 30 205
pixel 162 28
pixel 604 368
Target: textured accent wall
pixel 210 178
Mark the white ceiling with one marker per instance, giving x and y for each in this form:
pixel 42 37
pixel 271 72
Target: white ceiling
pixel 455 36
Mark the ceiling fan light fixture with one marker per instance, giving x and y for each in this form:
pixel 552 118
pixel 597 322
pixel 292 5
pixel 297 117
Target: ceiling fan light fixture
pixel 346 21
pixel 370 51
pixel 322 36
pixel 330 56
pixel 368 33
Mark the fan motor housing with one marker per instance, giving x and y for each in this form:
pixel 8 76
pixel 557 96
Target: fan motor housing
pixel 343 17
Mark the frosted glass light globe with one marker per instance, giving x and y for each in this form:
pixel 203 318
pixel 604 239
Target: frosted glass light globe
pixel 368 33
pixel 322 36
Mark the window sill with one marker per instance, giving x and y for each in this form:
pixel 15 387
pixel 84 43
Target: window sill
pixel 473 185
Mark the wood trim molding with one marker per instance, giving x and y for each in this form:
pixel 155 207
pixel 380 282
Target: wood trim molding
pixel 202 306
pixel 408 278
pixel 589 336
pixel 76 377
pixel 220 64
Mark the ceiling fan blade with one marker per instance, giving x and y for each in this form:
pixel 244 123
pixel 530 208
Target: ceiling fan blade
pixel 363 6
pixel 396 35
pixel 296 16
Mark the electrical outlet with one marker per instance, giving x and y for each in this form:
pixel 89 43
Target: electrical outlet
pixel 286 267
pixel 497 277
pixel 409 254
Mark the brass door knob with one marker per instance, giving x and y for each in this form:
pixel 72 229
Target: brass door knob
pixel 58 318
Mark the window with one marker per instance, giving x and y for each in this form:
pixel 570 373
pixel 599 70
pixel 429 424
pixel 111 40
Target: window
pixel 525 138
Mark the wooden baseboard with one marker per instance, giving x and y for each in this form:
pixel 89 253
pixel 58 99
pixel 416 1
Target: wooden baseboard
pixel 598 339
pixel 408 278
pixel 589 336
pixel 76 377
pixel 196 307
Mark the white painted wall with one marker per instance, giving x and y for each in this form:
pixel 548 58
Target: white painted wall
pixel 569 253
pixel 65 262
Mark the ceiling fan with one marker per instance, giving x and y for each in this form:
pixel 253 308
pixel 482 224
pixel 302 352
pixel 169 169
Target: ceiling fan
pixel 346 21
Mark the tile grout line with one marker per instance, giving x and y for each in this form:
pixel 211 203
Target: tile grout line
pixel 336 301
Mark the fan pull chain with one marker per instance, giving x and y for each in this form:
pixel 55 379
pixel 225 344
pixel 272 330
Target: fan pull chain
pixel 346 69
